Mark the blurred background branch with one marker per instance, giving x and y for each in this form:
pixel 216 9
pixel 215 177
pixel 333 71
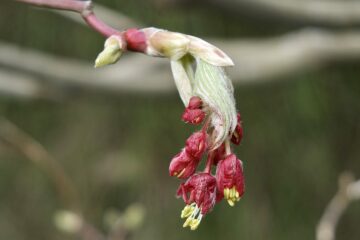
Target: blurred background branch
pixel 257 61
pixel 40 157
pixel 325 12
pixel 349 190
pixel 70 220
pixel 114 18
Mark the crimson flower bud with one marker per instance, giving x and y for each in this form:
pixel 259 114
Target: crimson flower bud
pixel 238 133
pixel 193 116
pixel 196 144
pixel 195 103
pixel 183 165
pixel 199 194
pixel 230 179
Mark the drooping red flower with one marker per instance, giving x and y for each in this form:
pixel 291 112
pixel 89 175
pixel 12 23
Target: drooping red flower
pixel 202 190
pixel 196 144
pixel 199 194
pixel 230 179
pixel 193 113
pixel 193 116
pixel 239 132
pixel 183 165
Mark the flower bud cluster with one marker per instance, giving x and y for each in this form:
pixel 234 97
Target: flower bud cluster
pixel 202 190
pixel 208 94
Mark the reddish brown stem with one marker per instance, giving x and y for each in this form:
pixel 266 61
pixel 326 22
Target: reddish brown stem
pixel 82 7
pixel 209 162
pixel 99 25
pixel 70 5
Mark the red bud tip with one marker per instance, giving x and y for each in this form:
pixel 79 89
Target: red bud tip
pixel 136 40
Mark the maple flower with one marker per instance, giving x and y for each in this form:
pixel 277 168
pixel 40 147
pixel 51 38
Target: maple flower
pixel 193 113
pixel 184 164
pixel 199 194
pixel 230 179
pixel 196 144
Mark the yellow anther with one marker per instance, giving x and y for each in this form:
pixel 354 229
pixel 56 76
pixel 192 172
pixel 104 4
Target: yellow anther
pixel 194 224
pixel 187 222
pixel 226 193
pixel 237 195
pixel 193 214
pixel 231 203
pixel 187 211
pixel 181 173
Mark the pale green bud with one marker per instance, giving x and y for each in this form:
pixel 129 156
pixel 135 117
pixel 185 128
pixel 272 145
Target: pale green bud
pixel 134 216
pixel 208 53
pixel 112 52
pixel 163 43
pixel 67 221
pixel 173 45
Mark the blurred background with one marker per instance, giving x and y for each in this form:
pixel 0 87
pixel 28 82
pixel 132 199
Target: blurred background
pixel 106 136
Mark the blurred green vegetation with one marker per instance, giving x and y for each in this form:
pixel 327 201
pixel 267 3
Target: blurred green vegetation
pixel 300 134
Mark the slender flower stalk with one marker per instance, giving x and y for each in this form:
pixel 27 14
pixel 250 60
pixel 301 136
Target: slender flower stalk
pixel 208 95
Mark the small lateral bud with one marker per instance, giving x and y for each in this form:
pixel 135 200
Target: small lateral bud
pixel 67 221
pixel 167 44
pixel 112 52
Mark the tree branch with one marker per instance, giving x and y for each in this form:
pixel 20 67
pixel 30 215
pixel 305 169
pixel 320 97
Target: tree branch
pixel 85 9
pixel 117 19
pixel 38 155
pixel 26 86
pixel 332 12
pixel 259 61
pixel 349 190
pixel 69 5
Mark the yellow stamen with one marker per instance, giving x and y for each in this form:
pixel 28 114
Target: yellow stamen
pixel 187 211
pixel 231 203
pixel 193 214
pixel 187 222
pixel 226 193
pixel 231 195
pixel 195 224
